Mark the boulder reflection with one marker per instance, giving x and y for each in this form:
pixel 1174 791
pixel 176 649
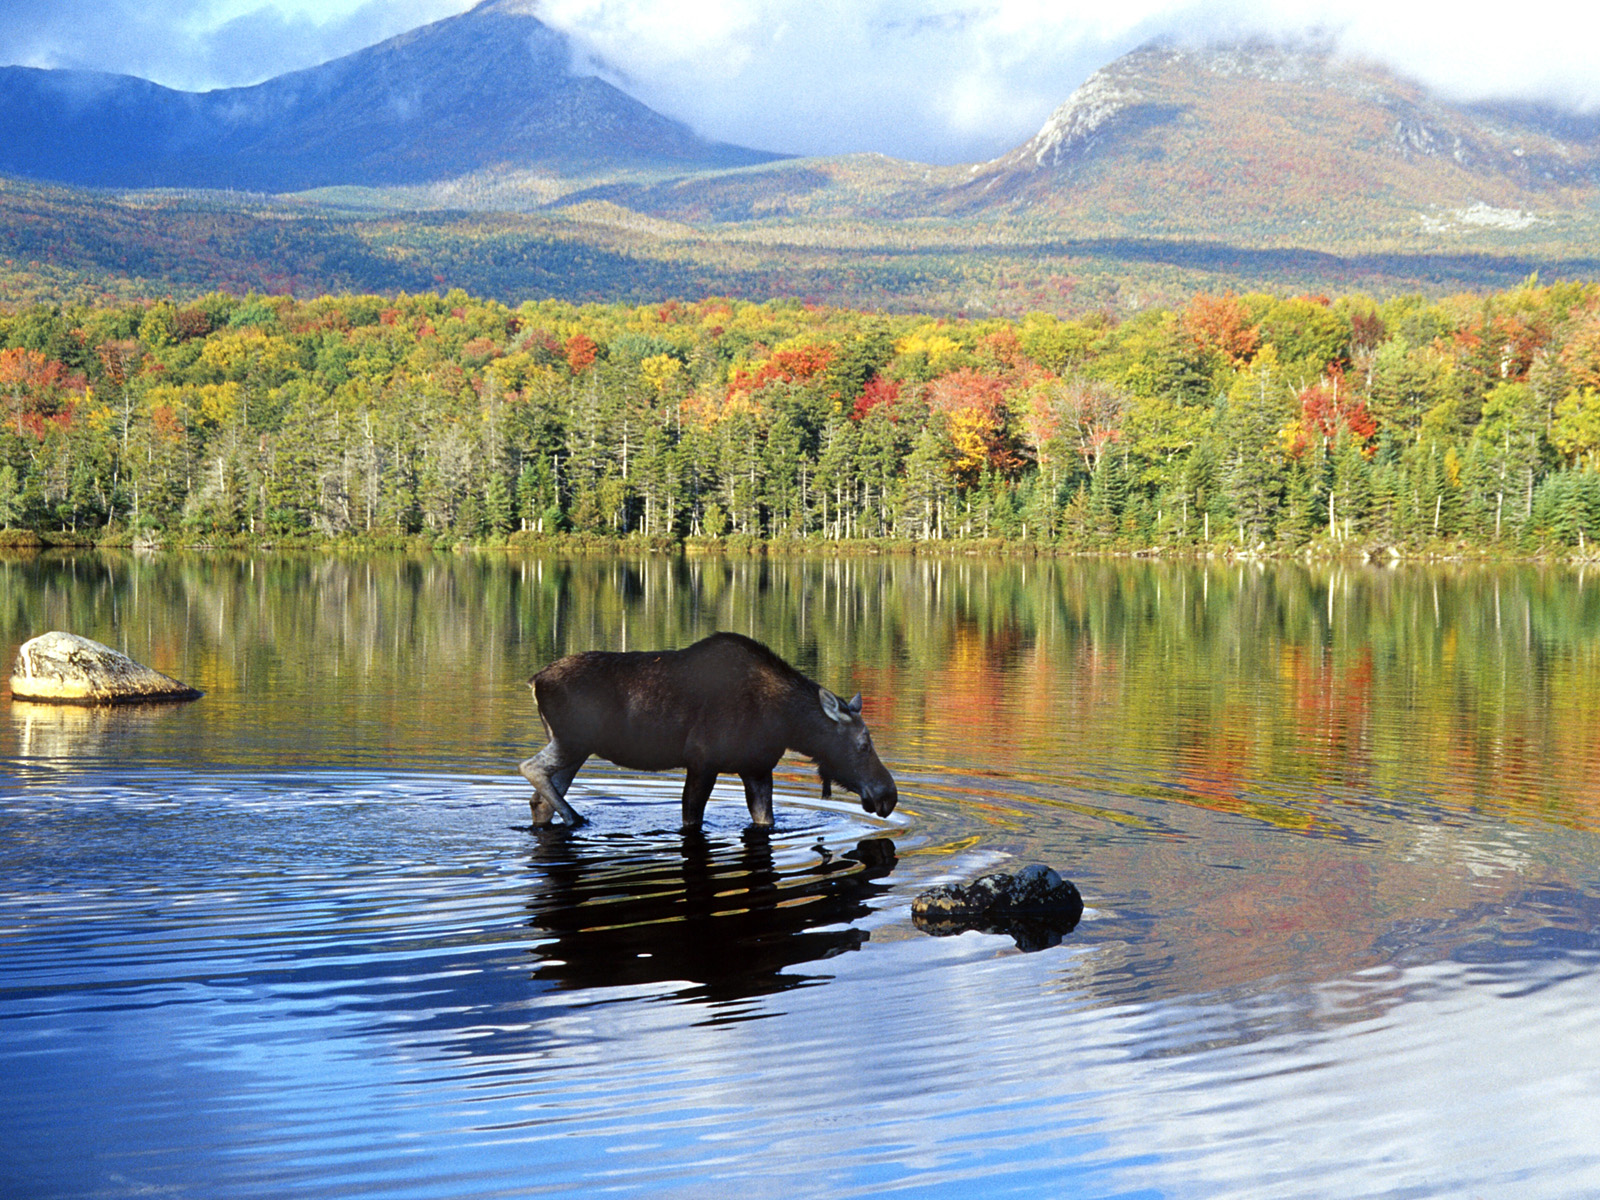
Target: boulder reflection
pixel 71 732
pixel 725 920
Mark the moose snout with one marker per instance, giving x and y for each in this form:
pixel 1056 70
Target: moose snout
pixel 880 801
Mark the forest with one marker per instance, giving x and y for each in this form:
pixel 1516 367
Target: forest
pixel 1244 423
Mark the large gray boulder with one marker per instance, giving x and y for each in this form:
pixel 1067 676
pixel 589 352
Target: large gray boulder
pixel 63 668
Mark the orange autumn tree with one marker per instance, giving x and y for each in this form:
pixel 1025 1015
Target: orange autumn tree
pixel 1221 325
pixel 581 350
pixel 35 388
pixel 790 365
pixel 1581 354
pixel 977 419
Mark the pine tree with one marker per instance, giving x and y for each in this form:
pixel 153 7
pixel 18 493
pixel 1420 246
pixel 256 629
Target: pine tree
pixel 1252 472
pixel 10 496
pixel 497 506
pixel 1351 493
pixel 925 487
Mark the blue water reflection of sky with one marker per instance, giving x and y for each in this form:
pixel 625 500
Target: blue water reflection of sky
pixel 260 1028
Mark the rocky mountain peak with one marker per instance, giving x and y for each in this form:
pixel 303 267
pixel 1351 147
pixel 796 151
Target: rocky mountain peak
pixel 1073 126
pixel 1279 136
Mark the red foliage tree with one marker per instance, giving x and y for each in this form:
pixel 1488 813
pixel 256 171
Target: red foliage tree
pixel 1329 406
pixel 785 366
pixel 1367 332
pixel 979 420
pixel 878 390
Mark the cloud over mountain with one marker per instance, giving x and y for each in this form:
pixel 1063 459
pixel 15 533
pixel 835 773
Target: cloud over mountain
pixel 933 80
pixel 956 81
pixel 493 89
pixel 200 44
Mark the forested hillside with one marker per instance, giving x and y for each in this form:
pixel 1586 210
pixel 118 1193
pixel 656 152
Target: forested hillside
pixel 67 245
pixel 1235 421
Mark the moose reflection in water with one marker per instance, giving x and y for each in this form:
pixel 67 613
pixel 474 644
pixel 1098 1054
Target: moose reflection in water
pixel 726 704
pixel 722 920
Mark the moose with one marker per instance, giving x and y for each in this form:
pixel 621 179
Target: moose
pixel 725 704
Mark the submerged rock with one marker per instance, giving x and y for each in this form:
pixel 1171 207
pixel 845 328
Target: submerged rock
pixel 1035 907
pixel 63 668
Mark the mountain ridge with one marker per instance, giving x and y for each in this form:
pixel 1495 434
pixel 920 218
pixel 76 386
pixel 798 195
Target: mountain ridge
pixel 489 88
pixel 1310 118
pixel 1256 143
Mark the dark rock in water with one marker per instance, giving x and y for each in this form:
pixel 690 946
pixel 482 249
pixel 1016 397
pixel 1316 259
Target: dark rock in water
pixel 63 668
pixel 1035 907
pixel 1032 890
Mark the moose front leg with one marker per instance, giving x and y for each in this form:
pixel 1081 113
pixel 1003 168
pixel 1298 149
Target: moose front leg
pixel 697 785
pixel 551 771
pixel 758 796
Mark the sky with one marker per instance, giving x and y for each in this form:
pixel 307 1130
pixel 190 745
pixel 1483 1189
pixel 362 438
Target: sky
pixel 930 80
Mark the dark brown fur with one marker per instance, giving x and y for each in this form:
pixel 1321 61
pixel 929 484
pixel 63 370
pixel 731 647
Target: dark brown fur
pixel 726 704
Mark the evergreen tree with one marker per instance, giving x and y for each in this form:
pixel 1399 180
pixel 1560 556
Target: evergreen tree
pixel 10 496
pixel 1253 470
pixel 925 487
pixel 837 471
pixel 497 506
pixel 1351 489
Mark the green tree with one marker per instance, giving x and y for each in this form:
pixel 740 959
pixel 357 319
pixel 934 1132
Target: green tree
pixel 497 506
pixel 1350 494
pixel 1251 423
pixel 1511 434
pixel 925 489
pixel 10 496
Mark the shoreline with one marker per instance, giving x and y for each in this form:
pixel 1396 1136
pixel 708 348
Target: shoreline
pixel 15 543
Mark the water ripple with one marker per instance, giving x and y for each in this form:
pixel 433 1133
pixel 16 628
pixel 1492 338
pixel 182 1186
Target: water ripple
pixel 386 984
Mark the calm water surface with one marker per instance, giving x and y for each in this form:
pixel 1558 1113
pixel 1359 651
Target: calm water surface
pixel 1335 829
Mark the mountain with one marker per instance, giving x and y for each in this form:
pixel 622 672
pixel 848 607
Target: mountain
pixel 1274 140
pixel 478 159
pixel 492 88
pixel 1244 144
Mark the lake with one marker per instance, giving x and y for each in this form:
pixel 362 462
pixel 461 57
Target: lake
pixel 1335 828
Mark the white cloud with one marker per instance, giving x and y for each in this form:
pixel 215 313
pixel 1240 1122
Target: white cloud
pixel 936 81
pixel 952 81
pixel 199 44
pixel 1480 51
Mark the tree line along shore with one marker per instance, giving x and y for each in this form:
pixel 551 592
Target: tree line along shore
pixel 1255 423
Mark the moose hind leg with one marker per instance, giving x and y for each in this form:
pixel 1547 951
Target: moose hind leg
pixel 551 771
pixel 758 796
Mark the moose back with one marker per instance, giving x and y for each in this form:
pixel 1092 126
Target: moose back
pixel 726 704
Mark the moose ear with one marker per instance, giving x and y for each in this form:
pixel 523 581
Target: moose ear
pixel 854 707
pixel 836 708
